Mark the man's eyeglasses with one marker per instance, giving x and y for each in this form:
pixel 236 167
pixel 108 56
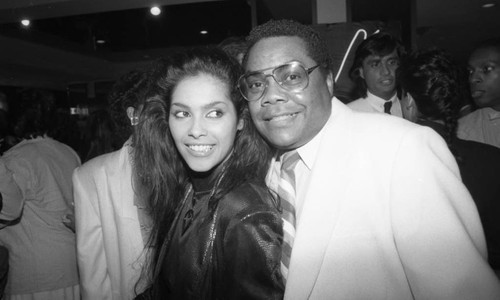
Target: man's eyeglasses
pixel 293 77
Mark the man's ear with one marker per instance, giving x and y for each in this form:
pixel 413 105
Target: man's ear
pixel 330 83
pixel 360 72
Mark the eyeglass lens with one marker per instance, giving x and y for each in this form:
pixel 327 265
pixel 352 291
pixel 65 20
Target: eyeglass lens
pixel 292 77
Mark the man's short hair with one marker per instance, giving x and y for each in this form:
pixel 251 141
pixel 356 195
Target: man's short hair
pixel 315 46
pixel 380 44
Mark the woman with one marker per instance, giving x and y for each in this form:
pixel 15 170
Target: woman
pixel 432 97
pixel 111 223
pixel 216 230
pixel 42 254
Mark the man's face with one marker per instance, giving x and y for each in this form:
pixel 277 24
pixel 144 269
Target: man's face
pixel 484 77
pixel 286 119
pixel 379 73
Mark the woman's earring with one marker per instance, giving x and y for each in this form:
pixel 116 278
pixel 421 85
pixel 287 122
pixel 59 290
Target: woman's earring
pixel 134 120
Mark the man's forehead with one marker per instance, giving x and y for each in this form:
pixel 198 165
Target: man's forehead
pixel 487 55
pixel 375 57
pixel 276 51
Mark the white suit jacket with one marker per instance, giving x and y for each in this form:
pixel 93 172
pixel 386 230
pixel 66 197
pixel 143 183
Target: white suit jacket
pixel 109 241
pixel 386 216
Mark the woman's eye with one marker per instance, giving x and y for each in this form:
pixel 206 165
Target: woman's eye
pixel 215 114
pixel 181 114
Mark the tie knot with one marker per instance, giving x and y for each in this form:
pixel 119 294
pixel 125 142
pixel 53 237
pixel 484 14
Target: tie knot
pixel 289 160
pixel 387 107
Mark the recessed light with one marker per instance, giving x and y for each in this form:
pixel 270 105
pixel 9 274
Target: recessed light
pixel 155 10
pixel 488 5
pixel 203 32
pixel 100 41
pixel 25 22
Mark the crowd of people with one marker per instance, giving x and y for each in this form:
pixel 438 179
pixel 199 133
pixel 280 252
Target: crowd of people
pixel 242 176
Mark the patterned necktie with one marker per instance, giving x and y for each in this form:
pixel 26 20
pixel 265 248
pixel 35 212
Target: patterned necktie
pixel 286 192
pixel 387 107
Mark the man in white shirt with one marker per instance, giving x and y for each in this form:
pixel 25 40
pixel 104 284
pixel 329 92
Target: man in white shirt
pixel 381 212
pixel 483 125
pixel 374 74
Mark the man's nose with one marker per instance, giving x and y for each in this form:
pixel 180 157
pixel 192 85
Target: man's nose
pixel 386 69
pixel 475 77
pixel 274 93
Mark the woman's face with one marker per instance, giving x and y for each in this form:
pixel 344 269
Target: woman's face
pixel 203 121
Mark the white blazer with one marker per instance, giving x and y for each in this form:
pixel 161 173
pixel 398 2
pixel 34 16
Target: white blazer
pixel 109 241
pixel 386 216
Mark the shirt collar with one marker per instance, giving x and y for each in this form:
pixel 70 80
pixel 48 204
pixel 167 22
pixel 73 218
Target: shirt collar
pixel 378 102
pixel 492 114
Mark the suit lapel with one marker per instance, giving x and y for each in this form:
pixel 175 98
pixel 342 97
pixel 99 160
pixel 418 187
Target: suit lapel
pixel 319 213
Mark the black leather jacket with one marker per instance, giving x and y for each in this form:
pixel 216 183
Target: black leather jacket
pixel 235 255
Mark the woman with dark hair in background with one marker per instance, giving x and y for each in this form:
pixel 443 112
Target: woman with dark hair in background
pixel 216 230
pixel 432 97
pixel 35 183
pixel 111 223
pixel 101 135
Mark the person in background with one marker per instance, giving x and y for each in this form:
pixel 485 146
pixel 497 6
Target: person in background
pixel 111 224
pixel 4 145
pixel 483 125
pixel 380 209
pixel 216 228
pixel 36 191
pixel 236 46
pixel 431 97
pixel 374 74
pixel 101 134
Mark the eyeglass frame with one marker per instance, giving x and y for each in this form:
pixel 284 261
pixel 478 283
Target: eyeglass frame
pixel 308 72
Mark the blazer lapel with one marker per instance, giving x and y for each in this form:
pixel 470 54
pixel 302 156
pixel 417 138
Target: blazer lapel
pixel 319 212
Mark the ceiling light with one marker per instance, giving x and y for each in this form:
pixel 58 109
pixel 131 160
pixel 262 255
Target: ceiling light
pixel 25 22
pixel 100 41
pixel 155 10
pixel 488 5
pixel 203 32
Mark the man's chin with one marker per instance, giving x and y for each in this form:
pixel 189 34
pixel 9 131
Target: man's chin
pixel 282 140
pixel 484 102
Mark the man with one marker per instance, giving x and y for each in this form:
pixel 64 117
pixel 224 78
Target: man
pixel 483 125
pixel 374 74
pixel 111 224
pixel 380 211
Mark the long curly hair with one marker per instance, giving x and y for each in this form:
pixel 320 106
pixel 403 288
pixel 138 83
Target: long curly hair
pixel 432 78
pixel 159 167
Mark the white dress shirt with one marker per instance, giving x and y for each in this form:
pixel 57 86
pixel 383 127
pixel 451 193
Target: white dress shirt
pixel 373 103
